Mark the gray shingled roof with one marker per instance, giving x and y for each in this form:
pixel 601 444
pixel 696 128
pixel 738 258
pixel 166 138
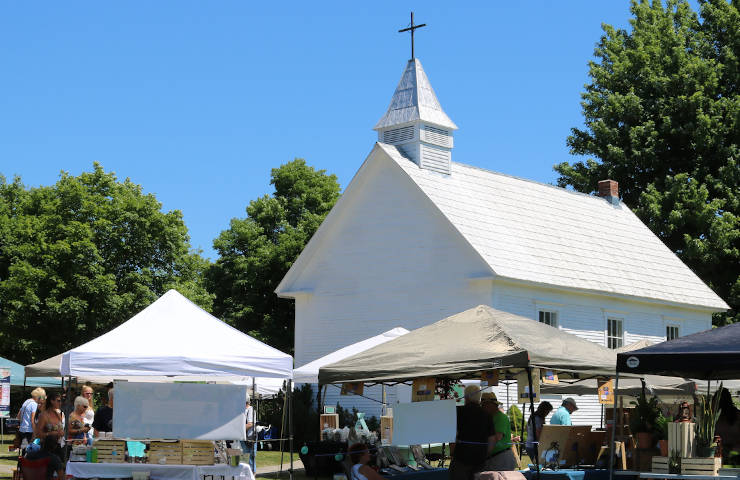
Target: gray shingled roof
pixel 538 233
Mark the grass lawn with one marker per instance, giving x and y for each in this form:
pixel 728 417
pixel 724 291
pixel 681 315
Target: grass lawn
pixel 7 458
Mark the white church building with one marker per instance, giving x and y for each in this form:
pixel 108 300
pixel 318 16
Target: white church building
pixel 417 237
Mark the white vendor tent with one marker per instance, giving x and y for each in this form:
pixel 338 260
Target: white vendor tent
pixel 173 339
pixel 309 373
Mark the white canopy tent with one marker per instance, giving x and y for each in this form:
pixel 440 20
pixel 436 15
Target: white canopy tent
pixel 173 339
pixel 309 373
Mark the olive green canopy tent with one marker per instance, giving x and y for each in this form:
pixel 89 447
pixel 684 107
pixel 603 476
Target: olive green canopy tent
pixel 475 340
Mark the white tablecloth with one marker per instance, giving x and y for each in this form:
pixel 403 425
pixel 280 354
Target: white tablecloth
pixel 159 472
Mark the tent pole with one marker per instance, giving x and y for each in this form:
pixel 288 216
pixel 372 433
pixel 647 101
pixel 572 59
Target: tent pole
pixel 521 436
pixel 531 414
pixel 253 452
pixel 614 428
pixel 290 425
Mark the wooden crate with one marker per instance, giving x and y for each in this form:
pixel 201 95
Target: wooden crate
pixel 328 420
pixel 171 452
pixel 660 465
pixel 682 439
pixel 386 430
pixel 197 452
pixel 700 466
pixel 110 451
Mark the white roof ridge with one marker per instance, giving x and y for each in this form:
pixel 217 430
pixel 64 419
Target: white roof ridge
pixel 562 189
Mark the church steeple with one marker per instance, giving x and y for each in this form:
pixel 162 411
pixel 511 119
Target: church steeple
pixel 416 123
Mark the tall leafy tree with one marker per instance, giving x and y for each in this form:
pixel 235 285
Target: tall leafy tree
pixel 662 117
pixel 257 251
pixel 80 257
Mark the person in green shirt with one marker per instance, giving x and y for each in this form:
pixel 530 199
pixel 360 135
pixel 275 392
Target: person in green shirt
pixel 502 458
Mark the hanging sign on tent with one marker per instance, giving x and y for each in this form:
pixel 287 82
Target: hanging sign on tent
pixel 423 389
pixel 522 386
pixel 549 377
pixel 489 378
pixel 606 391
pixel 356 388
pixel 4 392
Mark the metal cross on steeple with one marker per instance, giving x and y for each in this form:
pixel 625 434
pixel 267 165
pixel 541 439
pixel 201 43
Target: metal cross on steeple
pixel 411 29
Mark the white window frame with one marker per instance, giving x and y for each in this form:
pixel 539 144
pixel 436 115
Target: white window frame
pixel 668 327
pixel 552 313
pixel 607 333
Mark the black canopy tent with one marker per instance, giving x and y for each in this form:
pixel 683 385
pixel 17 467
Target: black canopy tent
pixel 709 355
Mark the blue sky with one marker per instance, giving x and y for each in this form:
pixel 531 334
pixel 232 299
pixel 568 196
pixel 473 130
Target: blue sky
pixel 197 101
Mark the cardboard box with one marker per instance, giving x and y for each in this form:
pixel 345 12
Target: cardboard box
pixel 386 430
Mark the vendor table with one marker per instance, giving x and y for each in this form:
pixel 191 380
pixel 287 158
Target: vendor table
pixel 433 474
pixel 675 476
pixel 159 472
pixel 568 474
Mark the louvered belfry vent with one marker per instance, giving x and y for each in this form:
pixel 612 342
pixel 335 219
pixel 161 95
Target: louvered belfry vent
pixel 416 124
pixel 398 135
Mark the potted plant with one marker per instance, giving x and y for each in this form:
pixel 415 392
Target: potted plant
pixel 708 414
pixel 661 433
pixel 643 420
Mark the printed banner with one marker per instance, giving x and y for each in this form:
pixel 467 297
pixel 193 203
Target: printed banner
pixel 4 392
pixel 522 384
pixel 353 388
pixel 606 391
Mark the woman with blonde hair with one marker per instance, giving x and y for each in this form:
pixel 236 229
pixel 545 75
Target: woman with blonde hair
pixel 78 430
pixel 28 413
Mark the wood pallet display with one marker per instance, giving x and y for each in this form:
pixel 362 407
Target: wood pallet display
pixel 110 451
pixel 701 466
pixel 197 452
pixel 165 453
pixel 328 420
pixel 660 465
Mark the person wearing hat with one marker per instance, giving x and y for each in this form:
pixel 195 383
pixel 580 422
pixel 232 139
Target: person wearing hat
pixel 562 415
pixel 475 437
pixel 502 456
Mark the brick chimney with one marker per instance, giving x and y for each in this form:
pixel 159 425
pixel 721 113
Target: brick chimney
pixel 609 189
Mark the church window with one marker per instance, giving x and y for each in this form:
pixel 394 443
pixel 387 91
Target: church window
pixel 549 318
pixel 671 332
pixel 614 332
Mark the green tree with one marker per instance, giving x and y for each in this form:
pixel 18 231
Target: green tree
pixel 80 257
pixel 257 251
pixel 662 117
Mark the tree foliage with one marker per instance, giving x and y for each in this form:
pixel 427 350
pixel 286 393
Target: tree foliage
pixel 80 257
pixel 662 117
pixel 257 251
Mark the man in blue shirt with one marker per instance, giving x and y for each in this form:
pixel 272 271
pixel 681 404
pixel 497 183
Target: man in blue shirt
pixel 562 415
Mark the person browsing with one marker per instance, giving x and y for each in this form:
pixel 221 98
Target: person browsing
pixel 502 457
pixel 103 420
pixel 534 427
pixel 29 413
pixel 359 455
pixel 562 415
pixel 475 437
